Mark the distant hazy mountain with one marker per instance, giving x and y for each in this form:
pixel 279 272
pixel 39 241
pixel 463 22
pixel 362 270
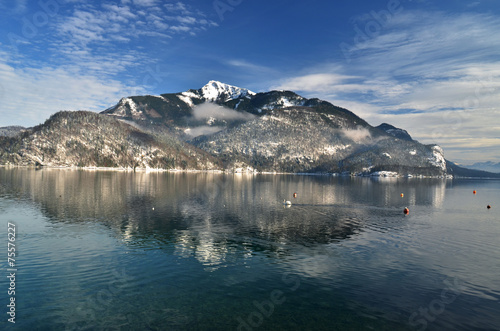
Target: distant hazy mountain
pixel 220 126
pixel 459 171
pixel 11 131
pixel 486 166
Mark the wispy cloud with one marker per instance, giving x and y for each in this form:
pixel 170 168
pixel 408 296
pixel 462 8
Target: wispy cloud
pixel 93 54
pixel 145 3
pixel 245 65
pixel 203 130
pixel 95 33
pixel 30 95
pixel 208 109
pixel 358 135
pixel 106 23
pixel 317 82
pixel 428 72
pixel 13 7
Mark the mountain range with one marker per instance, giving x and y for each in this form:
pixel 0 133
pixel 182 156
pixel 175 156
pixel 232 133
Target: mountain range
pixel 223 127
pixel 486 166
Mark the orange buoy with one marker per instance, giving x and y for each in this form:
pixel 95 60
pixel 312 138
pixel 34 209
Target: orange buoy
pixel 295 195
pixel 406 211
pixel 402 195
pixel 488 206
pixel 474 192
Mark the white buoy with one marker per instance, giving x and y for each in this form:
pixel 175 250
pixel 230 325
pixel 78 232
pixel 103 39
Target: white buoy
pixel 286 202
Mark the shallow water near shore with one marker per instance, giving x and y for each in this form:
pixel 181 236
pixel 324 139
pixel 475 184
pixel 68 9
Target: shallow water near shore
pixel 202 251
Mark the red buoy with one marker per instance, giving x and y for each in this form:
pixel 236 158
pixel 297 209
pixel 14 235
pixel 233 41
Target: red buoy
pixel 406 211
pixel 295 195
pixel 474 192
pixel 402 195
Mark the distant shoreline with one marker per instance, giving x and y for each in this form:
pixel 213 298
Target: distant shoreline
pixel 120 169
pixel 159 170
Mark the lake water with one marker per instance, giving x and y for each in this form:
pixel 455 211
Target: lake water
pixel 178 251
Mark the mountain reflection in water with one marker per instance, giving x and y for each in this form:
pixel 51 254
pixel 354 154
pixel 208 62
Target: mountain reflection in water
pixel 111 249
pixel 205 213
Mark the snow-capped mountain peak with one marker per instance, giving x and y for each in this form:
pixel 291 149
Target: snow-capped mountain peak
pixel 217 91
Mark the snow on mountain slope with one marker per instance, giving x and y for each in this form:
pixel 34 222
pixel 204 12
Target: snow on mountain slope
pixel 396 132
pixel 283 102
pixel 279 131
pixel 187 98
pixel 11 131
pixel 217 91
pixel 87 139
pixel 127 107
pixel 437 159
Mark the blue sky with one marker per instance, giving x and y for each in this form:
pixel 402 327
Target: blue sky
pixel 430 67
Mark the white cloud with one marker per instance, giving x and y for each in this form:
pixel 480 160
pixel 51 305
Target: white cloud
pixel 464 93
pixel 203 130
pixel 101 25
pixel 208 109
pixel 88 67
pixel 177 7
pixel 434 74
pixel 124 13
pixel 145 3
pixel 429 45
pixel 337 85
pixel 186 19
pixel 180 28
pixel 318 82
pixel 30 95
pixel 15 7
pixel 474 4
pixel 358 135
pixel 247 65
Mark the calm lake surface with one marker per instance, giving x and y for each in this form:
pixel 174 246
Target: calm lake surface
pixel 178 251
